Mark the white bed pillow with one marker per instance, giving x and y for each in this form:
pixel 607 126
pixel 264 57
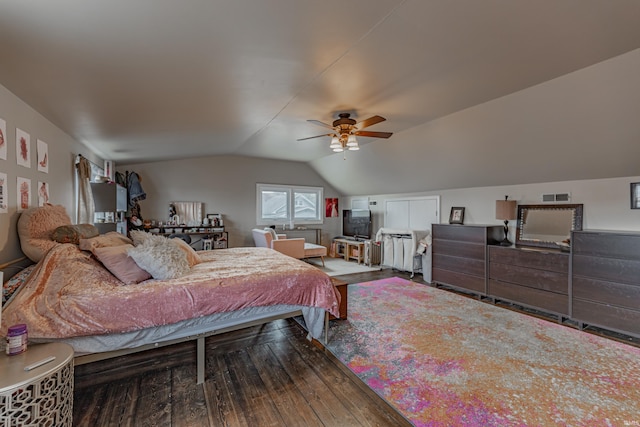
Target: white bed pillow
pixel 163 262
pixel 144 238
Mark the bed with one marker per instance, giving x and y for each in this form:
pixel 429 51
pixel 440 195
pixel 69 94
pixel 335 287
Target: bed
pixel 72 296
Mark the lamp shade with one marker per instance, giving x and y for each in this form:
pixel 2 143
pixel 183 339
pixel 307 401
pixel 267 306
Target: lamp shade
pixel 506 210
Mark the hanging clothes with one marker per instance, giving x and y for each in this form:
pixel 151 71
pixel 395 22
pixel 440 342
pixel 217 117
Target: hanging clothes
pixel 134 189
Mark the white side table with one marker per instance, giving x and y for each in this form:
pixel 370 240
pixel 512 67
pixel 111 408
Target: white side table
pixel 42 396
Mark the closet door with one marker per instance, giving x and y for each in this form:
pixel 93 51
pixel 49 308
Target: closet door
pixel 412 214
pixel 396 214
pixel 423 213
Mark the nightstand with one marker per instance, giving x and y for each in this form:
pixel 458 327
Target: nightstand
pixel 42 396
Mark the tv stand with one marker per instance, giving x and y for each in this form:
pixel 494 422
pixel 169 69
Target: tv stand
pixel 349 249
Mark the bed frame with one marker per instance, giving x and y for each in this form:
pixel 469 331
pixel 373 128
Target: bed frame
pixel 200 341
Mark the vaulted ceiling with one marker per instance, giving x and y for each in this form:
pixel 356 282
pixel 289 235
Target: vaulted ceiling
pixel 151 80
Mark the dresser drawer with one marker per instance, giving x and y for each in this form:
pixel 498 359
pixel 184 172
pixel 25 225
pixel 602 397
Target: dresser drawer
pixel 543 260
pixel 459 280
pixel 530 297
pixel 460 249
pixel 608 293
pixel 530 277
pixel 473 267
pixel 607 316
pixel 463 233
pixel 608 245
pixel 607 269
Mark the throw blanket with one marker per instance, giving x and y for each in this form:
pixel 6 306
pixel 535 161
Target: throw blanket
pixel 71 294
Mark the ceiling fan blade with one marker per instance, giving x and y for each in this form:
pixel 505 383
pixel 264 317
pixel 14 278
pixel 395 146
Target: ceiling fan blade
pixel 373 134
pixel 370 122
pixel 317 136
pixel 319 123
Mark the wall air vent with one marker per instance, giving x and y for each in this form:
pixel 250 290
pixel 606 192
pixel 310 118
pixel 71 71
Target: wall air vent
pixel 557 197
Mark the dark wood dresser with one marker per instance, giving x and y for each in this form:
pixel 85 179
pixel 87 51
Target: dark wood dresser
pixel 606 280
pixel 460 254
pixel 532 277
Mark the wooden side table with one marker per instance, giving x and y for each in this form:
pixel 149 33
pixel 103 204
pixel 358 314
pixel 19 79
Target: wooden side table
pixel 341 286
pixel 353 249
pixel 42 396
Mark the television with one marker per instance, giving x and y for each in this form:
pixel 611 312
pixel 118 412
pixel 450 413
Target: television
pixel 356 224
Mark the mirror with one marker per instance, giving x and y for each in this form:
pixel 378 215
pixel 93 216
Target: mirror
pixel 548 226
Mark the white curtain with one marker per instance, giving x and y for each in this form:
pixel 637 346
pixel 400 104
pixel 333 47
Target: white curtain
pixel 85 196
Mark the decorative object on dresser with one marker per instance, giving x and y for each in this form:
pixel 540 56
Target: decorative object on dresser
pixel 506 211
pixel 548 226
pixel 456 216
pixel 605 280
pixel 460 255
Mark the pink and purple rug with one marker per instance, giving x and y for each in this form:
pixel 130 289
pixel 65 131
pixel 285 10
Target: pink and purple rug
pixel 445 360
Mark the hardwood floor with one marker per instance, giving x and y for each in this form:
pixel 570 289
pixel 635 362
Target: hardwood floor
pixel 267 375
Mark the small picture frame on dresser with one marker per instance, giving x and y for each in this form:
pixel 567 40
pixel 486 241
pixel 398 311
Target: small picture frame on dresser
pixel 635 195
pixel 457 215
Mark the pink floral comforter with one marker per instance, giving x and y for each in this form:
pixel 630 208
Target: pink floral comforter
pixel 71 294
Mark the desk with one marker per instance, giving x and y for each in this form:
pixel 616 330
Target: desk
pixel 41 396
pixel 303 232
pixel 350 249
pixel 219 237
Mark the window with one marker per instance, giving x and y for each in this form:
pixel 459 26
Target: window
pixel 282 204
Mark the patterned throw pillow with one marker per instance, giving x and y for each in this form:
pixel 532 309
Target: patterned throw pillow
pixel 73 233
pixel 11 287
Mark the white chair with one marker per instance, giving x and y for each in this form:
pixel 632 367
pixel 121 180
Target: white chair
pixel 296 248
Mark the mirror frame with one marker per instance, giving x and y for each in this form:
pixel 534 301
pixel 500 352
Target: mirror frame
pixel 576 226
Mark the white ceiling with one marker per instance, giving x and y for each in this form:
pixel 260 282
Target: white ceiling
pixel 149 80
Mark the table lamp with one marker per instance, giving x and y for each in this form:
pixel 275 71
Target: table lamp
pixel 506 211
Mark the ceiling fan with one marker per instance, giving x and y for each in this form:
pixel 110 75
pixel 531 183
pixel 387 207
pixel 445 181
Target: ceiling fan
pixel 345 129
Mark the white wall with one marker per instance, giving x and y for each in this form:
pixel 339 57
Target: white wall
pixel 226 185
pixel 62 150
pixel 606 202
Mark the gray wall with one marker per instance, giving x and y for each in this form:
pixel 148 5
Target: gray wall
pixel 606 202
pixel 62 152
pixel 583 125
pixel 226 185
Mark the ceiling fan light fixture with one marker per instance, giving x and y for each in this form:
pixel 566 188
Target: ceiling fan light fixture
pixel 338 149
pixel 335 143
pixel 352 141
pixel 354 148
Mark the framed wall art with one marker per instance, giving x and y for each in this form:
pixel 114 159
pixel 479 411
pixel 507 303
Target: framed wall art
pixel 24 193
pixel 3 140
pixel 635 195
pixel 23 151
pixel 42 151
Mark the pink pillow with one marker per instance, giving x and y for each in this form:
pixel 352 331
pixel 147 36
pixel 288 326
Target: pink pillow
pixel 112 238
pixel 120 264
pixel 192 257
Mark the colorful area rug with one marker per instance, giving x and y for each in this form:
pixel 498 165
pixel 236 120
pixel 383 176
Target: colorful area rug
pixel 442 359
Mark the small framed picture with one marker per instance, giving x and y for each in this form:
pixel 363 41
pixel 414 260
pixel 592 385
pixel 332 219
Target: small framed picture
pixel 456 216
pixel 635 195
